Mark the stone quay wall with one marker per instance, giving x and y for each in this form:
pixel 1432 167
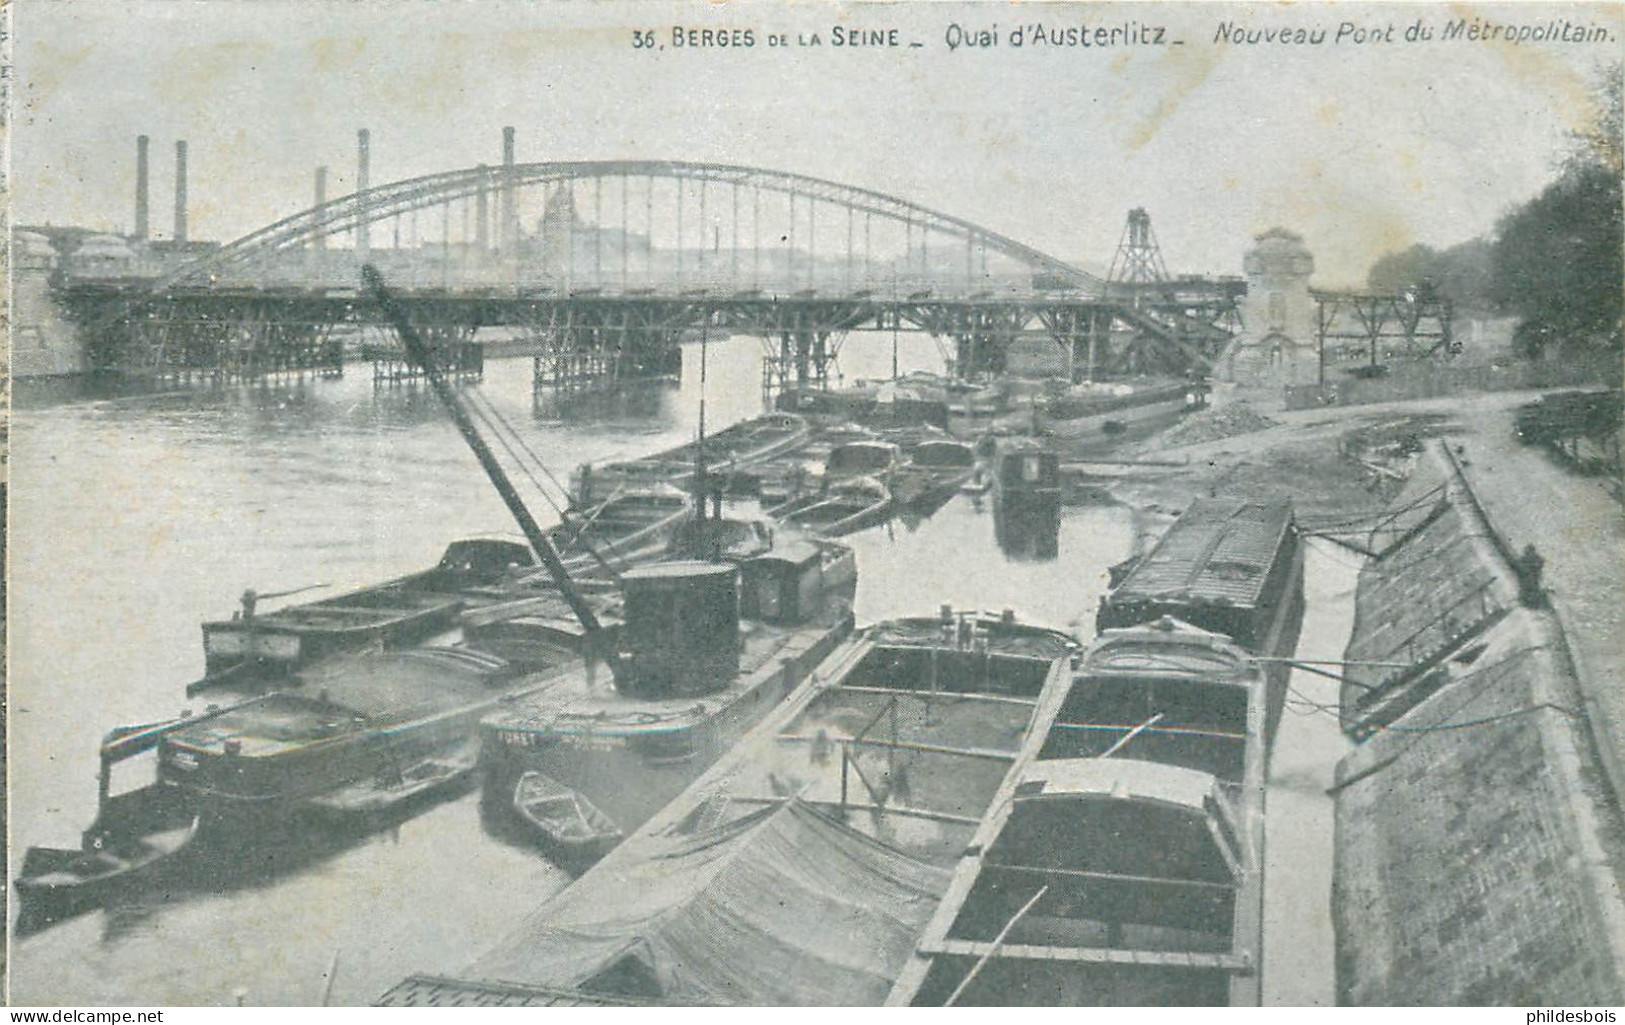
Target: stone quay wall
pixel 1480 846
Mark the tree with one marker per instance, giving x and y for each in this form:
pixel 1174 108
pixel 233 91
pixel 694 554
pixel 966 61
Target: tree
pixel 1560 258
pixel 1602 142
pixel 1461 273
pixel 1396 272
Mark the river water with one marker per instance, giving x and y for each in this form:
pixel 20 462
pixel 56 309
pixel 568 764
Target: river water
pixel 134 520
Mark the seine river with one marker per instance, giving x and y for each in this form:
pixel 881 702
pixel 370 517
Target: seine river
pixel 133 520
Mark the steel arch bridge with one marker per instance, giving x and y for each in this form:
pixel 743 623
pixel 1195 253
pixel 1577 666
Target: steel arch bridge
pixel 607 293
pixel 384 203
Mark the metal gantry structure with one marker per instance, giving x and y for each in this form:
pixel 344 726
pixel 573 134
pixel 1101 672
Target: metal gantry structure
pixel 1373 328
pixel 600 269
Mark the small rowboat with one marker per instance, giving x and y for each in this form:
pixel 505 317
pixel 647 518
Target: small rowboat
pixel 844 507
pixel 568 823
pixel 55 881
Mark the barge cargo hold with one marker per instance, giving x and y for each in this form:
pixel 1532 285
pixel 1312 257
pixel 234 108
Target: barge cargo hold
pixel 1123 860
pixel 800 868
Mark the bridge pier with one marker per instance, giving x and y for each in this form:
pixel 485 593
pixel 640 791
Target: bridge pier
pixel 162 343
pixel 456 355
pixel 596 346
pixel 804 359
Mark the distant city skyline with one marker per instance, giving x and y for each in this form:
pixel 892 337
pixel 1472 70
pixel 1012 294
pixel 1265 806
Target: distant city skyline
pixel 1362 150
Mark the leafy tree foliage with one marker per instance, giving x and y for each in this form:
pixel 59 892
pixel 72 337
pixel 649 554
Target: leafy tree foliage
pixel 1558 261
pixel 1461 273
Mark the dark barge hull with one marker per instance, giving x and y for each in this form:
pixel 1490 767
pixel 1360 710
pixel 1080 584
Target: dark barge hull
pixel 1108 417
pixel 729 451
pixel 397 612
pixel 632 767
pixel 314 749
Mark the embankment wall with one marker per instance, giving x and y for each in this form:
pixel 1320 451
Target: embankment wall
pixel 1479 844
pixel 1426 380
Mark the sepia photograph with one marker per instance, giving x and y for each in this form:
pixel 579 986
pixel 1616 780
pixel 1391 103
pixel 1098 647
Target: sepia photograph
pixel 659 503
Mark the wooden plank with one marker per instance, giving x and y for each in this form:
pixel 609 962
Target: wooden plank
pixel 1239 963
pixel 903 745
pixel 889 809
pixel 1116 877
pixel 939 695
pixel 993 948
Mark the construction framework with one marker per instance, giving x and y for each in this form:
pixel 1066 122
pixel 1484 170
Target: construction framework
pixel 1375 328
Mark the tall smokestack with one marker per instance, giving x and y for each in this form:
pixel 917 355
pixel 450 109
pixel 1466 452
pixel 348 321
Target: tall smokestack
pixel 141 187
pixel 180 191
pixel 363 230
pixel 508 239
pixel 482 216
pixel 320 241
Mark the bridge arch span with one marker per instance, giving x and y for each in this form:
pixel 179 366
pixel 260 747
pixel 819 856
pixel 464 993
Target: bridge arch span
pixel 378 203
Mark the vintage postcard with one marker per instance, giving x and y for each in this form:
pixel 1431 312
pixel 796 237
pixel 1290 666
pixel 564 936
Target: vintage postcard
pixel 768 504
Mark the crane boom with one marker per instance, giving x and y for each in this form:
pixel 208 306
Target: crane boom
pixel 419 353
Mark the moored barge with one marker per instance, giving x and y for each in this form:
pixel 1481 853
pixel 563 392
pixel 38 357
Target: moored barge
pixel 733 450
pixel 1233 566
pixel 801 867
pixel 708 649
pixel 1108 409
pixel 1122 862
pixel 840 509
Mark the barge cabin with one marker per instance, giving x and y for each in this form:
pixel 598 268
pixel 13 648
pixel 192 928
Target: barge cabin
pixel 1025 473
pixel 1228 565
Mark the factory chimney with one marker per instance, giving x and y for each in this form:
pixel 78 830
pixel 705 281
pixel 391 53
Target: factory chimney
pixel 508 213
pixel 180 191
pixel 141 187
pixel 363 230
pixel 320 241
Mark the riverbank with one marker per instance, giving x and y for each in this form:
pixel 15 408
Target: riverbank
pixel 1479 847
pixel 1477 824
pixel 1478 838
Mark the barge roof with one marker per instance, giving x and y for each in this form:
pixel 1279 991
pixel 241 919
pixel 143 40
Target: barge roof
pixel 1220 551
pixel 1117 778
pixel 1169 647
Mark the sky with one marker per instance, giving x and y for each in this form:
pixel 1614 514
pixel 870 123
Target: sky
pixel 1362 147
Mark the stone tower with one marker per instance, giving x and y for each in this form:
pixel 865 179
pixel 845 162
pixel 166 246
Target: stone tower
pixel 1277 345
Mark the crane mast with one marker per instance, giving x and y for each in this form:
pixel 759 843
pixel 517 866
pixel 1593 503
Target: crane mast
pixel 419 353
